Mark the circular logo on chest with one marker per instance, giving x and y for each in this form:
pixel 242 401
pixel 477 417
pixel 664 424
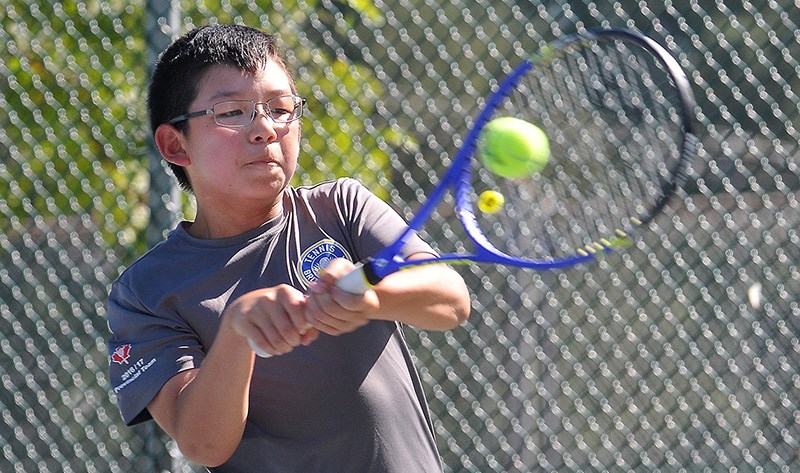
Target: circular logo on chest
pixel 317 257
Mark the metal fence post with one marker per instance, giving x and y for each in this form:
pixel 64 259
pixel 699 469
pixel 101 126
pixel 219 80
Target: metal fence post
pixel 162 22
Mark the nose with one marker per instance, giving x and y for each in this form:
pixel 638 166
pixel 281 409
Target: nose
pixel 262 128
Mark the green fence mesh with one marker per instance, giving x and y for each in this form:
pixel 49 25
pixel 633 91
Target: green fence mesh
pixel 681 354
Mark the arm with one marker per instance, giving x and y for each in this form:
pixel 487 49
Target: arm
pixel 215 397
pixel 429 297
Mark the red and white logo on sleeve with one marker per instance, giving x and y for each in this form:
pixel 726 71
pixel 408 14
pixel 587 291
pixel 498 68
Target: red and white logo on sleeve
pixel 121 354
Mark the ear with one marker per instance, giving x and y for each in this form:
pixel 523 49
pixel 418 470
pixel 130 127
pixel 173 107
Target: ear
pixel 169 141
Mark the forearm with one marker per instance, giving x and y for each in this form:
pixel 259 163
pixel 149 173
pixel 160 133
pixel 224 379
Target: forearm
pixel 215 401
pixel 431 297
pixel 205 410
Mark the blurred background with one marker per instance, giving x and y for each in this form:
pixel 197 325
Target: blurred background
pixel 681 354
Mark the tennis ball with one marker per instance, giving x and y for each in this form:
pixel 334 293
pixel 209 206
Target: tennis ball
pixel 491 202
pixel 513 148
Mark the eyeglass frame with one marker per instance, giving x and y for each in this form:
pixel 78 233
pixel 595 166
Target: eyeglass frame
pixel 210 111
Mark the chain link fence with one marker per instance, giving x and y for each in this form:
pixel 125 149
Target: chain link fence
pixel 680 355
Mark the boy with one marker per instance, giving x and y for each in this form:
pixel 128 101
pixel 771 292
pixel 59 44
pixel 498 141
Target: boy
pixel 341 394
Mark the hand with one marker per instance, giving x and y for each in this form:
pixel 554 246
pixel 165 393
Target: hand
pixel 273 319
pixel 334 311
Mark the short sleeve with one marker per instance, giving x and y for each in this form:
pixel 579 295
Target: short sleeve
pixel 145 350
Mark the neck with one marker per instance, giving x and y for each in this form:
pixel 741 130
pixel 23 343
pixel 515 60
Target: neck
pixel 215 222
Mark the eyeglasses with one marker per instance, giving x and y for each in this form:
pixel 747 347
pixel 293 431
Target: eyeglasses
pixel 241 113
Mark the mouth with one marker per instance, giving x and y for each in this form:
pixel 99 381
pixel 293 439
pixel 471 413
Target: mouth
pixel 262 162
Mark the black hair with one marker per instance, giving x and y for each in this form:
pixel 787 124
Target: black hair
pixel 181 67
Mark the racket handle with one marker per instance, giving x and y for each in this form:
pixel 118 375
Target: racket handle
pixel 354 282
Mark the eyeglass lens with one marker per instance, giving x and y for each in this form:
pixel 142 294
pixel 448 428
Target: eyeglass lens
pixel 238 113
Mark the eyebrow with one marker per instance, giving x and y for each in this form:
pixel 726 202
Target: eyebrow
pixel 236 95
pixel 225 95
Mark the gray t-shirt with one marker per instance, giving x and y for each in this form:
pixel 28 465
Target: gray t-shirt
pixel 351 403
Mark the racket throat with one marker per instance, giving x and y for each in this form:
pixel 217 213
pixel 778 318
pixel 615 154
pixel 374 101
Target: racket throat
pixel 370 274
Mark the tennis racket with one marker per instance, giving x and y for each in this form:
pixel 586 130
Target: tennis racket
pixel 619 113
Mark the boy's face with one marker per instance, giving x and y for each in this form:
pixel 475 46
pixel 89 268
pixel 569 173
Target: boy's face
pixel 234 165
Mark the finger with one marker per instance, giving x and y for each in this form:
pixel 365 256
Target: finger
pixel 336 320
pixel 258 343
pixel 320 319
pixel 283 329
pixel 266 342
pixel 291 322
pixel 280 333
pixel 335 269
pixel 296 312
pixel 349 301
pixel 275 323
pixel 308 337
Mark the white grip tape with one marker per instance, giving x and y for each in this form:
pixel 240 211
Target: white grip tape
pixel 354 282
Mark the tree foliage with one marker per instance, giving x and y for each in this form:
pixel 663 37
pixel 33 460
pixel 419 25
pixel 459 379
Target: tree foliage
pixel 71 136
pixel 75 136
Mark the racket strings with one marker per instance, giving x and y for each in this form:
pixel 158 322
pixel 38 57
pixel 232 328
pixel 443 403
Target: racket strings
pixel 613 122
pixel 661 106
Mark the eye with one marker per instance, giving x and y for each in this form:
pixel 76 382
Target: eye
pixel 230 112
pixel 234 113
pixel 281 111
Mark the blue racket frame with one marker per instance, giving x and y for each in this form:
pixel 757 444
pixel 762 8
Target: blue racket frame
pixel 459 176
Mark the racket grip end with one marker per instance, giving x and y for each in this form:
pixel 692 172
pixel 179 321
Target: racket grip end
pixel 259 352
